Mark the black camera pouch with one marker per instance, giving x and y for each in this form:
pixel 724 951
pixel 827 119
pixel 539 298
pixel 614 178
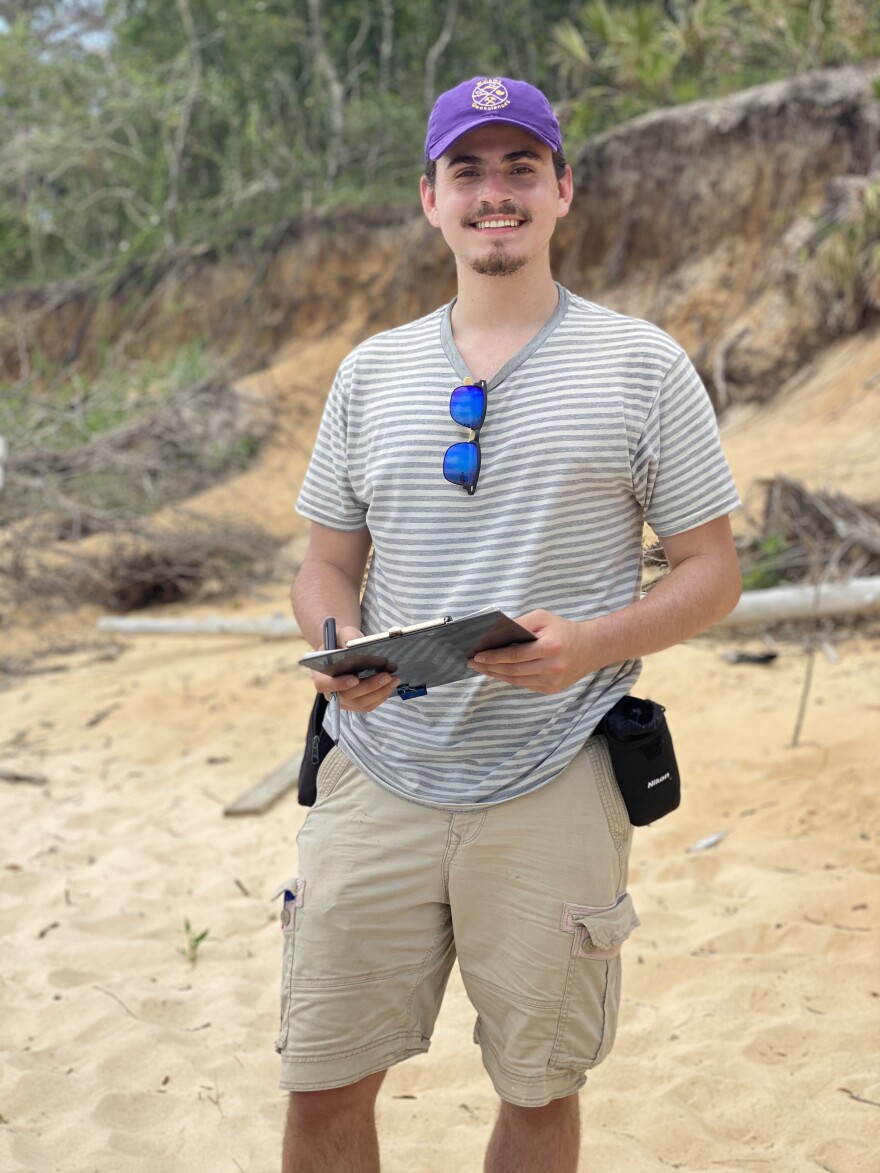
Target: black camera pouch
pixel 318 745
pixel 640 747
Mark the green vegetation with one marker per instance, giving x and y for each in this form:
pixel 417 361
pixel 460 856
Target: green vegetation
pixel 763 569
pixel 139 435
pixel 193 941
pixel 616 60
pixel 852 256
pixel 189 121
pixel 68 411
pixel 209 119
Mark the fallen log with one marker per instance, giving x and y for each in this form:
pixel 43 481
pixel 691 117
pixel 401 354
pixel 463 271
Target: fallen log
pixel 260 797
pixel 274 627
pixel 858 596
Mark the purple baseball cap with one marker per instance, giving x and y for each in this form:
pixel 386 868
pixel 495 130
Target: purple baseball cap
pixel 490 99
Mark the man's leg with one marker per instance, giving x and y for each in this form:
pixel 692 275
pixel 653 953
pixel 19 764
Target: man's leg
pixel 333 1131
pixel 367 955
pixel 536 1140
pixel 539 903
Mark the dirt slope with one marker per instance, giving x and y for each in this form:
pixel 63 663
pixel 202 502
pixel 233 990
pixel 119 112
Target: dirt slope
pixel 710 219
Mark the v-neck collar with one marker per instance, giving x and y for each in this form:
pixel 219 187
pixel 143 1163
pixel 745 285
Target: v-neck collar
pixel 461 367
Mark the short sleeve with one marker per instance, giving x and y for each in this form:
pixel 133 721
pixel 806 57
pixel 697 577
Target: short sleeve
pixel 680 474
pixel 327 495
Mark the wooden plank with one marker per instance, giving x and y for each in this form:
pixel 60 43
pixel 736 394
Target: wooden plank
pixel 274 627
pixel 260 797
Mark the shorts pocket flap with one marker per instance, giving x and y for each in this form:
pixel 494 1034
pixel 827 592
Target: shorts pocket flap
pixel 599 933
pixel 288 886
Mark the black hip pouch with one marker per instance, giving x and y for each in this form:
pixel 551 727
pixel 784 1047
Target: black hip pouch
pixel 318 745
pixel 640 747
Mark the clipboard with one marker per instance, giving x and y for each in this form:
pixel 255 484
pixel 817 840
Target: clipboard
pixel 425 655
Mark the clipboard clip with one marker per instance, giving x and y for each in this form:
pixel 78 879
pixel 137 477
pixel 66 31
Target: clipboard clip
pixel 395 632
pixel 408 692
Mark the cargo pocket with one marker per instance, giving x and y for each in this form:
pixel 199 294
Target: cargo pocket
pixel 294 893
pixel 591 1001
pixel 609 793
pixel 330 771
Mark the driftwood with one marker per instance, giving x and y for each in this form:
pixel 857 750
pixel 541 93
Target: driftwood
pixel 260 797
pixel 275 627
pixel 859 596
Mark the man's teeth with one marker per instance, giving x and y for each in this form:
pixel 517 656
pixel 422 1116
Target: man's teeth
pixel 497 224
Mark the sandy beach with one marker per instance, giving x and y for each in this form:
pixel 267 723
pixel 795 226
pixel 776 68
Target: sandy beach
pixel 749 1027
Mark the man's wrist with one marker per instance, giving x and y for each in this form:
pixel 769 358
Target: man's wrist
pixel 595 644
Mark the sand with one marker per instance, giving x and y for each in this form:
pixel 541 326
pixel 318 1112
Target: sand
pixel 751 1010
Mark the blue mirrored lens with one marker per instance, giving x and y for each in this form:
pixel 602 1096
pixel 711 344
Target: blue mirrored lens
pixel 462 463
pixel 467 406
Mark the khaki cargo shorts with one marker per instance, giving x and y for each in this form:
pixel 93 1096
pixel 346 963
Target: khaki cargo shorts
pixel 530 895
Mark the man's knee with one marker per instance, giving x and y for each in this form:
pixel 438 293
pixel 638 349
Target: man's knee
pixel 305 1107
pixel 555 1111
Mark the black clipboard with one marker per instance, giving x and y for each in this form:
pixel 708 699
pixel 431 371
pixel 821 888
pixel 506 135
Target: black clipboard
pixel 425 655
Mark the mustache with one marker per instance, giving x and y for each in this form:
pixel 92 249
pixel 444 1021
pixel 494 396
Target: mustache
pixel 509 208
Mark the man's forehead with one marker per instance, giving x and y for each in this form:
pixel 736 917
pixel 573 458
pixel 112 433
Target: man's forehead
pixel 499 139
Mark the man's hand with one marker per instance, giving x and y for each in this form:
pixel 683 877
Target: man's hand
pixel 360 696
pixel 555 661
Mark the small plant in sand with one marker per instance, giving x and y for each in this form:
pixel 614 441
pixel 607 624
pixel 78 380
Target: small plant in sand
pixel 193 941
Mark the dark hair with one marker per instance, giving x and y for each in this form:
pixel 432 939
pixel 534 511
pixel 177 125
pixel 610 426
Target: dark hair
pixel 559 166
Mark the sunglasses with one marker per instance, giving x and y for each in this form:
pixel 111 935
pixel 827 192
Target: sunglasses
pixel 467 406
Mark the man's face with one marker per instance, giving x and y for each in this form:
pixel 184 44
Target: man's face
pixel 496 199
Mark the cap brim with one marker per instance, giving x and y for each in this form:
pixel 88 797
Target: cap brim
pixel 440 148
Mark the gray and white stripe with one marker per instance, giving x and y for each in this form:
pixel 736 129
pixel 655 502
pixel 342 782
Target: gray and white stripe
pixel 598 424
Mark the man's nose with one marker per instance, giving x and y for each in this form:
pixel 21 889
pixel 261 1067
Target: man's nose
pixel 495 187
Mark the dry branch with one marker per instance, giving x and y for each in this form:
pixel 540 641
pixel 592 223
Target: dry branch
pixel 822 533
pixel 140 564
pixel 208 416
pixel 822 548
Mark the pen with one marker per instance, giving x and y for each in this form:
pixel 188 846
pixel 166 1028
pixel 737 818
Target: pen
pixel 333 705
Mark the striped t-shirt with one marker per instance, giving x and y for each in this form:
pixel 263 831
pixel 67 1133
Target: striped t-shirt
pixel 599 423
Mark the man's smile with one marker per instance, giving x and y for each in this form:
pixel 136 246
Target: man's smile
pixel 503 221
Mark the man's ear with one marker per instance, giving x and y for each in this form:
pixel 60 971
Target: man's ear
pixel 429 202
pixel 566 192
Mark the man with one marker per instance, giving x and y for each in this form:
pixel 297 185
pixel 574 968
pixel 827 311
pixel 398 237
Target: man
pixel 482 821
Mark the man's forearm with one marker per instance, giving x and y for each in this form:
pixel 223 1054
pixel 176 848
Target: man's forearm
pixel 702 586
pixel 319 590
pixel 694 595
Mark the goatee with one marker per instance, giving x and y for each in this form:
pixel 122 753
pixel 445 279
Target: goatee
pixel 497 264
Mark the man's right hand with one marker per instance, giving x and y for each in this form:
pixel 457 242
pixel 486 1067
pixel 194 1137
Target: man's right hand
pixel 360 696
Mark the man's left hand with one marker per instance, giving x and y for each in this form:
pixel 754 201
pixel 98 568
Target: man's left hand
pixel 553 662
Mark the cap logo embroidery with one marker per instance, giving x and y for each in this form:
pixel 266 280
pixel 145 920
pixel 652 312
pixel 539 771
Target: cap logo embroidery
pixel 490 94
